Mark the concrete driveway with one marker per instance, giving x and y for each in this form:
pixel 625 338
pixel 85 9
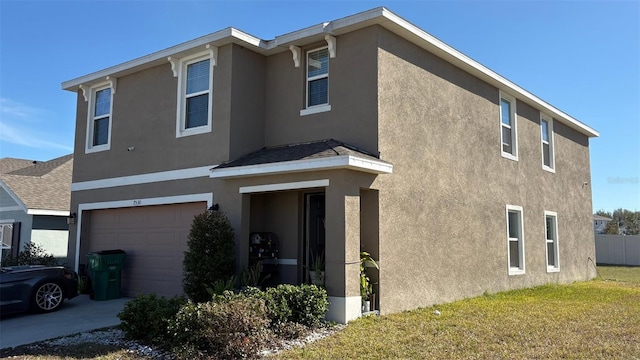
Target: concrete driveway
pixel 76 315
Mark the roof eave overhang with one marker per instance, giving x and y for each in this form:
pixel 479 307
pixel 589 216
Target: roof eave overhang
pixel 48 212
pixel 378 16
pixel 348 162
pixel 220 38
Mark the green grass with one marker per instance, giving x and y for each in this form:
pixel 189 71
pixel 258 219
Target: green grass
pixel 588 320
pixel 620 273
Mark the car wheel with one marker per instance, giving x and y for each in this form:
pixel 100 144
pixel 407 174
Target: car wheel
pixel 47 297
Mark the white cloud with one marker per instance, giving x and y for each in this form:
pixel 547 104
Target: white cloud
pixel 29 126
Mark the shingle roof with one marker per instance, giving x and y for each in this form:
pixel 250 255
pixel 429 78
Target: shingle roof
pixel 41 185
pixel 599 217
pixel 11 164
pixel 304 151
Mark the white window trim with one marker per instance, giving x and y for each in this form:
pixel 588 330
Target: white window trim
pixel 552 156
pixel 556 247
pixel 514 126
pixel 181 71
pixel 320 107
pixel 315 109
pixel 520 270
pixel 91 102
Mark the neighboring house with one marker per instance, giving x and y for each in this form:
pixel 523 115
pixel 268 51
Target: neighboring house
pixel 359 133
pixel 34 204
pixel 600 223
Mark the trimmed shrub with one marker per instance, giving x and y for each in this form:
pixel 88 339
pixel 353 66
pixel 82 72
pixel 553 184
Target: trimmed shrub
pixel 303 304
pixel 147 316
pixel 209 258
pixel 233 326
pixel 308 303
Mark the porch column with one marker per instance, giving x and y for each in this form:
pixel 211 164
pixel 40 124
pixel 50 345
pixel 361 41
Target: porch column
pixel 342 250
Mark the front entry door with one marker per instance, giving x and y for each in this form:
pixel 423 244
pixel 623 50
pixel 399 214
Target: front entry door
pixel 314 238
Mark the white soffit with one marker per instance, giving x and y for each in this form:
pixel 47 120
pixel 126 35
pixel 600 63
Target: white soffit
pixel 378 16
pixel 284 186
pixel 48 212
pixel 336 162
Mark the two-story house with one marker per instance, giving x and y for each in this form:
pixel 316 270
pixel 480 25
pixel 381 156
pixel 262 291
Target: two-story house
pixel 360 133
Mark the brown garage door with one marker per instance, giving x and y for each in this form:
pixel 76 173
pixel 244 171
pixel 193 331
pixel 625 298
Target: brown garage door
pixel 154 238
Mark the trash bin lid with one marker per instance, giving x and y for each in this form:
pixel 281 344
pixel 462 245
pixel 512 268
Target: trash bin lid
pixel 111 252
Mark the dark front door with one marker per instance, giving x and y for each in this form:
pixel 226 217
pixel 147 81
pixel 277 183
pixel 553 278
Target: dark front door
pixel 314 238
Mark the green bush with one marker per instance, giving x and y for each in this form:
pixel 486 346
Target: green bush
pixel 31 254
pixel 209 258
pixel 304 304
pixel 230 327
pixel 147 316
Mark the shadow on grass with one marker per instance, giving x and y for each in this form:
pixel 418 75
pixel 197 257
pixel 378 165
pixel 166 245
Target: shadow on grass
pixel 73 351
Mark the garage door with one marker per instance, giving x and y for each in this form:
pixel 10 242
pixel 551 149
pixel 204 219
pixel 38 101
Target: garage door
pixel 154 238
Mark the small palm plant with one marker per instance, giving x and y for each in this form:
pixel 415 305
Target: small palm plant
pixel 366 287
pixel 316 269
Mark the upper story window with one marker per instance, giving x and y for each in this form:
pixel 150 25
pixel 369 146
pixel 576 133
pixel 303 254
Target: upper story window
pixel 508 127
pixel 553 258
pixel 515 240
pixel 195 95
pixel 317 81
pixel 99 118
pixel 546 136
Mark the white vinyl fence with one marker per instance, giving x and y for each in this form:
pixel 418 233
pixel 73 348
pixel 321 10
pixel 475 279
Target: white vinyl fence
pixel 618 249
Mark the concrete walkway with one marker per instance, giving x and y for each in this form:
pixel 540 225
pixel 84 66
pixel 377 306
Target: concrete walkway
pixel 76 315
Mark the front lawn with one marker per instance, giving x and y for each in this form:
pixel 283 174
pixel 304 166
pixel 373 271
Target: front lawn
pixel 588 320
pixel 594 319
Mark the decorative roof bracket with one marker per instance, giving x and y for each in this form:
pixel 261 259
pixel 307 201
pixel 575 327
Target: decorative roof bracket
pixel 295 51
pixel 331 43
pixel 113 82
pixel 85 92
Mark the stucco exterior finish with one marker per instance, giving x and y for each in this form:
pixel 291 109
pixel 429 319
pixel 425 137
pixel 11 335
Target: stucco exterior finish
pixel 144 117
pixel 436 224
pixel 443 227
pixel 352 96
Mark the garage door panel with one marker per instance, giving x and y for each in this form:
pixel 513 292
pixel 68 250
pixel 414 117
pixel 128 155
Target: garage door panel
pixel 154 238
pixel 107 221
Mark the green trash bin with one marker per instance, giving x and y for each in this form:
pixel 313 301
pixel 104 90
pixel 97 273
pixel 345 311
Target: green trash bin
pixel 105 268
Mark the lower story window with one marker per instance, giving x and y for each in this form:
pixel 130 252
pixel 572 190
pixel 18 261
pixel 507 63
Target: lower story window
pixel 515 240
pixel 551 224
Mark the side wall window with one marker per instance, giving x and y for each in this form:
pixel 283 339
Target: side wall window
pixel 546 137
pixel 515 240
pixel 551 225
pixel 99 119
pixel 508 127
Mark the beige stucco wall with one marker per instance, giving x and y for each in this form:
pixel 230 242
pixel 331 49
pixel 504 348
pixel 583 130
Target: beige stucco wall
pixel 352 95
pixel 443 216
pixel 144 116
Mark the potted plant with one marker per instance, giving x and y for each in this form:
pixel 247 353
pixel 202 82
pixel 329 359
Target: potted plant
pixel 252 276
pixel 366 287
pixel 316 269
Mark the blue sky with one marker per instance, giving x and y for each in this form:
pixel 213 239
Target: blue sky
pixel 582 57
